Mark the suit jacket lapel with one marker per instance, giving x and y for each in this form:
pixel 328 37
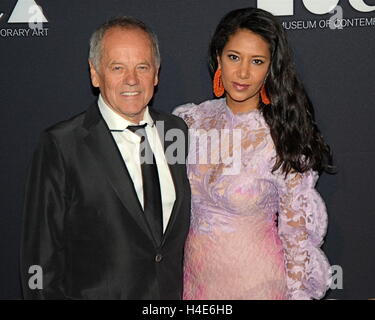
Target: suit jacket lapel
pixel 101 143
pixel 176 171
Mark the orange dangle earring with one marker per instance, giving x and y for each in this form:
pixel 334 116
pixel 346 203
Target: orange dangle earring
pixel 264 96
pixel 218 84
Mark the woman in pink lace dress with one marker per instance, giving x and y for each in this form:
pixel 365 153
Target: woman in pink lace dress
pixel 257 221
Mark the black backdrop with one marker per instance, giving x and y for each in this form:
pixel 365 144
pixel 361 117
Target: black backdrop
pixel 44 79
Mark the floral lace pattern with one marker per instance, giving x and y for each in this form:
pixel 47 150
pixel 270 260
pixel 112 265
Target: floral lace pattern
pixel 254 234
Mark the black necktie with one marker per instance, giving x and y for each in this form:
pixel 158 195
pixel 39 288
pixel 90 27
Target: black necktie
pixel 152 204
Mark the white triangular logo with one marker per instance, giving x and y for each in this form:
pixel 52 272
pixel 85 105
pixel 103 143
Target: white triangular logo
pixel 27 11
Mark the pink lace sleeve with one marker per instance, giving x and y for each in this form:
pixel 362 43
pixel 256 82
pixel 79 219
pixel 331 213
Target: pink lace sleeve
pixel 186 112
pixel 302 227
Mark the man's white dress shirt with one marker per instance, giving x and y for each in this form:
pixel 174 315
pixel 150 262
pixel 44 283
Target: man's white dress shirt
pixel 129 143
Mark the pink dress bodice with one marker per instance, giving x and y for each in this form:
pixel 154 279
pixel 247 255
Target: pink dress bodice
pixel 254 234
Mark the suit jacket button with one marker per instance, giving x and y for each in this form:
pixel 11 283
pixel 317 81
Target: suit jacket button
pixel 158 257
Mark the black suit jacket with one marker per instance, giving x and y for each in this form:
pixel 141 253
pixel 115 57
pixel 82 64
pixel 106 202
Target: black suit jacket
pixel 84 225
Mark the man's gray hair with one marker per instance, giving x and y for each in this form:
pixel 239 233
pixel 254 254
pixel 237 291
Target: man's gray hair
pixel 124 22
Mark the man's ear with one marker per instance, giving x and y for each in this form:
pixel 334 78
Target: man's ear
pixel 94 75
pixel 156 79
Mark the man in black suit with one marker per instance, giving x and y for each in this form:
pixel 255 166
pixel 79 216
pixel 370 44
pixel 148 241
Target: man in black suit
pixel 107 207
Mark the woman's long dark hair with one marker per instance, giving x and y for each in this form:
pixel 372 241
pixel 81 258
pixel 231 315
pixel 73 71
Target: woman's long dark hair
pixel 298 141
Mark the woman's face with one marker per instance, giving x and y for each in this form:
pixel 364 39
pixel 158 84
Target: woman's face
pixel 244 62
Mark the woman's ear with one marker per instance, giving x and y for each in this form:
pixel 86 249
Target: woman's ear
pixel 218 62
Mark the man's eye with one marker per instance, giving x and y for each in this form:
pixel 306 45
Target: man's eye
pixel 143 67
pixel 116 68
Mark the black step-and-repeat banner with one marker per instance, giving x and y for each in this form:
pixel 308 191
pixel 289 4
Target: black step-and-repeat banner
pixel 44 78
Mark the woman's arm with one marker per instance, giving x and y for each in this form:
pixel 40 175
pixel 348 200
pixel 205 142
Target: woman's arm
pixel 302 226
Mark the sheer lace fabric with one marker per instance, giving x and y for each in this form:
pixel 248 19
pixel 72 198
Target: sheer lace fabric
pixel 254 234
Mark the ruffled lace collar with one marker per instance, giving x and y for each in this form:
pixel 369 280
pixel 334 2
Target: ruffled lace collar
pixel 236 116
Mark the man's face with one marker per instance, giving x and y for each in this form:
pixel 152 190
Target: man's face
pixel 127 72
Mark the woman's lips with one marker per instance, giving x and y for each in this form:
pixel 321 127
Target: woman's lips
pixel 240 87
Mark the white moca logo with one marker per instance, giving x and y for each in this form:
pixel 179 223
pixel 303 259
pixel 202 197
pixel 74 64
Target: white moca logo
pixel 319 7
pixel 27 11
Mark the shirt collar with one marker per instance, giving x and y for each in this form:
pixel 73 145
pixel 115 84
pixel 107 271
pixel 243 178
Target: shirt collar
pixel 115 121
